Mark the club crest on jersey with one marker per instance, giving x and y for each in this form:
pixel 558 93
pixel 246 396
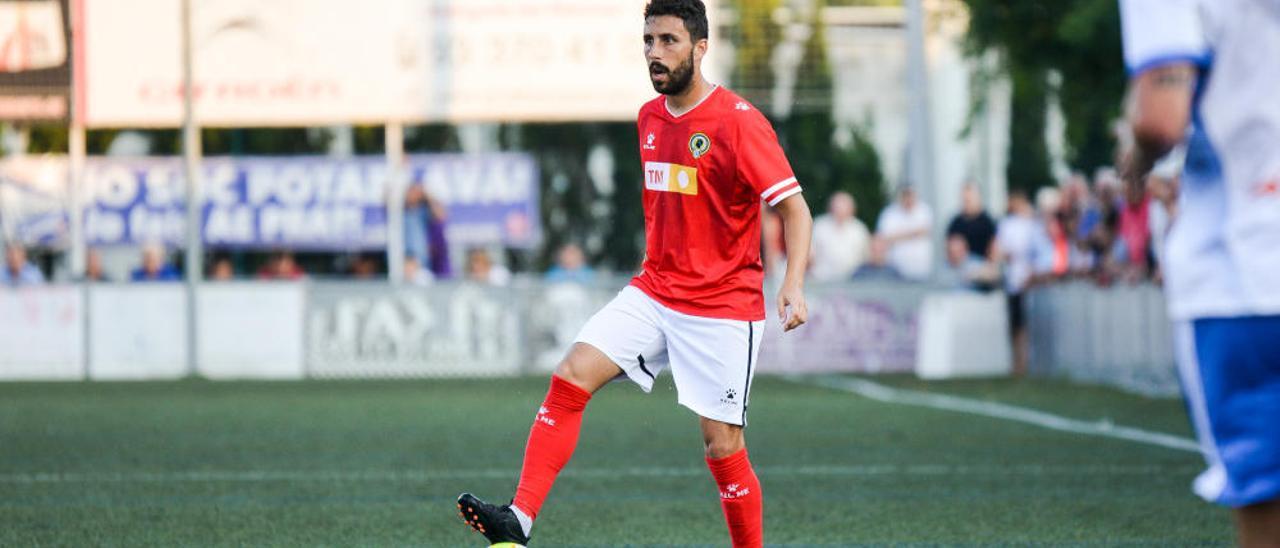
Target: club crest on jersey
pixel 699 144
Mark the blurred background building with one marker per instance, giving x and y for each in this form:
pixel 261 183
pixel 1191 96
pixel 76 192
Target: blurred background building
pixel 441 145
pixel 281 79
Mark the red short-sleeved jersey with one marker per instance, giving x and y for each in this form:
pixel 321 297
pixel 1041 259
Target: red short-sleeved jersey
pixel 705 173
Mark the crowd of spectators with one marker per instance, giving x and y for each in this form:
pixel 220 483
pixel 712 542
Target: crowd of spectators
pixel 1097 231
pixel 1101 231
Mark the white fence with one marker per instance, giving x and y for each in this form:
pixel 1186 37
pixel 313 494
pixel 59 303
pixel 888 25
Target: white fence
pixel 269 330
pixel 1119 336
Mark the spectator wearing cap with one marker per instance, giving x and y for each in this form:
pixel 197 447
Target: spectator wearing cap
pixel 17 270
pixel 973 223
pixel 840 241
pixel 905 226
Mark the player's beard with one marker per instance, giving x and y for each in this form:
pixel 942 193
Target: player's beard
pixel 678 80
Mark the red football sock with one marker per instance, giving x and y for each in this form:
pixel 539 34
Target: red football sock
pixel 551 441
pixel 740 498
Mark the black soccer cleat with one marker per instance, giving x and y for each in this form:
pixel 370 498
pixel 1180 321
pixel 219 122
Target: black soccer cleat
pixel 496 523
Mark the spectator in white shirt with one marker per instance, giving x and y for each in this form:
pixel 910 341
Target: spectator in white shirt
pixel 905 226
pixel 1020 240
pixel 840 241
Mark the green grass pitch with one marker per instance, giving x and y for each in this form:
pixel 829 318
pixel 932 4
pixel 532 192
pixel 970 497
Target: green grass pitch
pixel 379 463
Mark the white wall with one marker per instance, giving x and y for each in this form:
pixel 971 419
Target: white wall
pixel 42 333
pixel 251 330
pixel 137 332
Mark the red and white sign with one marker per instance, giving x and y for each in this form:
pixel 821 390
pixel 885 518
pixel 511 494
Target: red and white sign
pixel 321 62
pixel 32 36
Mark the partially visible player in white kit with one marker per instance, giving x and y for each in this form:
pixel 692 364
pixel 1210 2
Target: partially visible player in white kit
pixel 709 159
pixel 1214 66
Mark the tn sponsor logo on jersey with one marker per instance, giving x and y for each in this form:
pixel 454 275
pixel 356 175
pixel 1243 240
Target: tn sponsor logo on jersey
pixel 665 177
pixel 648 142
pixel 742 105
pixel 699 144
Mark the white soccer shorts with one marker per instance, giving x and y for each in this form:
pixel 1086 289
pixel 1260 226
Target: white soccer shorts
pixel 711 359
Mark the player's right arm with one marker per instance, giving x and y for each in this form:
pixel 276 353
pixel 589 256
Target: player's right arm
pixel 1164 44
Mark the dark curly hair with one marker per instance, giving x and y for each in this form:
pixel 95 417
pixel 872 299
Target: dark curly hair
pixel 692 12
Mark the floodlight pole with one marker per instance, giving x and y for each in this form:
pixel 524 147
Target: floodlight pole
pixel 394 135
pixel 920 171
pixel 76 198
pixel 77 194
pixel 191 159
pixel 76 154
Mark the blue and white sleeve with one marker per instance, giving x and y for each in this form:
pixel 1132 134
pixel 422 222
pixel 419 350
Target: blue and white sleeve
pixel 1162 32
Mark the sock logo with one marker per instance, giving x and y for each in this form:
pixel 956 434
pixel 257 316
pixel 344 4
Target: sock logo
pixel 733 491
pixel 543 418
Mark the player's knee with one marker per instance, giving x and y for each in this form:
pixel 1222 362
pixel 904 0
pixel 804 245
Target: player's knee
pixel 722 440
pixel 721 448
pixel 567 371
pixel 573 369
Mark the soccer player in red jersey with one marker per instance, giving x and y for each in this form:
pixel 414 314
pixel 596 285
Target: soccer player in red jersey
pixel 709 158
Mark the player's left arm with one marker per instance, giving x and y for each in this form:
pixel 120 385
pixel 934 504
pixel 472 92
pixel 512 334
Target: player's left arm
pixel 1158 112
pixel 1165 44
pixel 797 227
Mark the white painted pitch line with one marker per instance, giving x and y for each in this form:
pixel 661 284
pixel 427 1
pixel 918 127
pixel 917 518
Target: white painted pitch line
pixel 420 476
pixel 1106 429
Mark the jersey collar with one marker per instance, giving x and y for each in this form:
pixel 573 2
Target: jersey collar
pixel 665 106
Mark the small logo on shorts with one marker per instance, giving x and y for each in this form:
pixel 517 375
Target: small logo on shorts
pixel 730 397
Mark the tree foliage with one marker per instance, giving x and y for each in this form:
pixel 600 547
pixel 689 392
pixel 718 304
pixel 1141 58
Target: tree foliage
pixel 807 131
pixel 1078 39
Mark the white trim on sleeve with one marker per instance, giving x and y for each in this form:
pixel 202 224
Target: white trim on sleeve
pixel 784 195
pixel 776 187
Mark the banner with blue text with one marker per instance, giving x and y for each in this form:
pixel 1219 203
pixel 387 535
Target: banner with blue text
pixel 313 203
